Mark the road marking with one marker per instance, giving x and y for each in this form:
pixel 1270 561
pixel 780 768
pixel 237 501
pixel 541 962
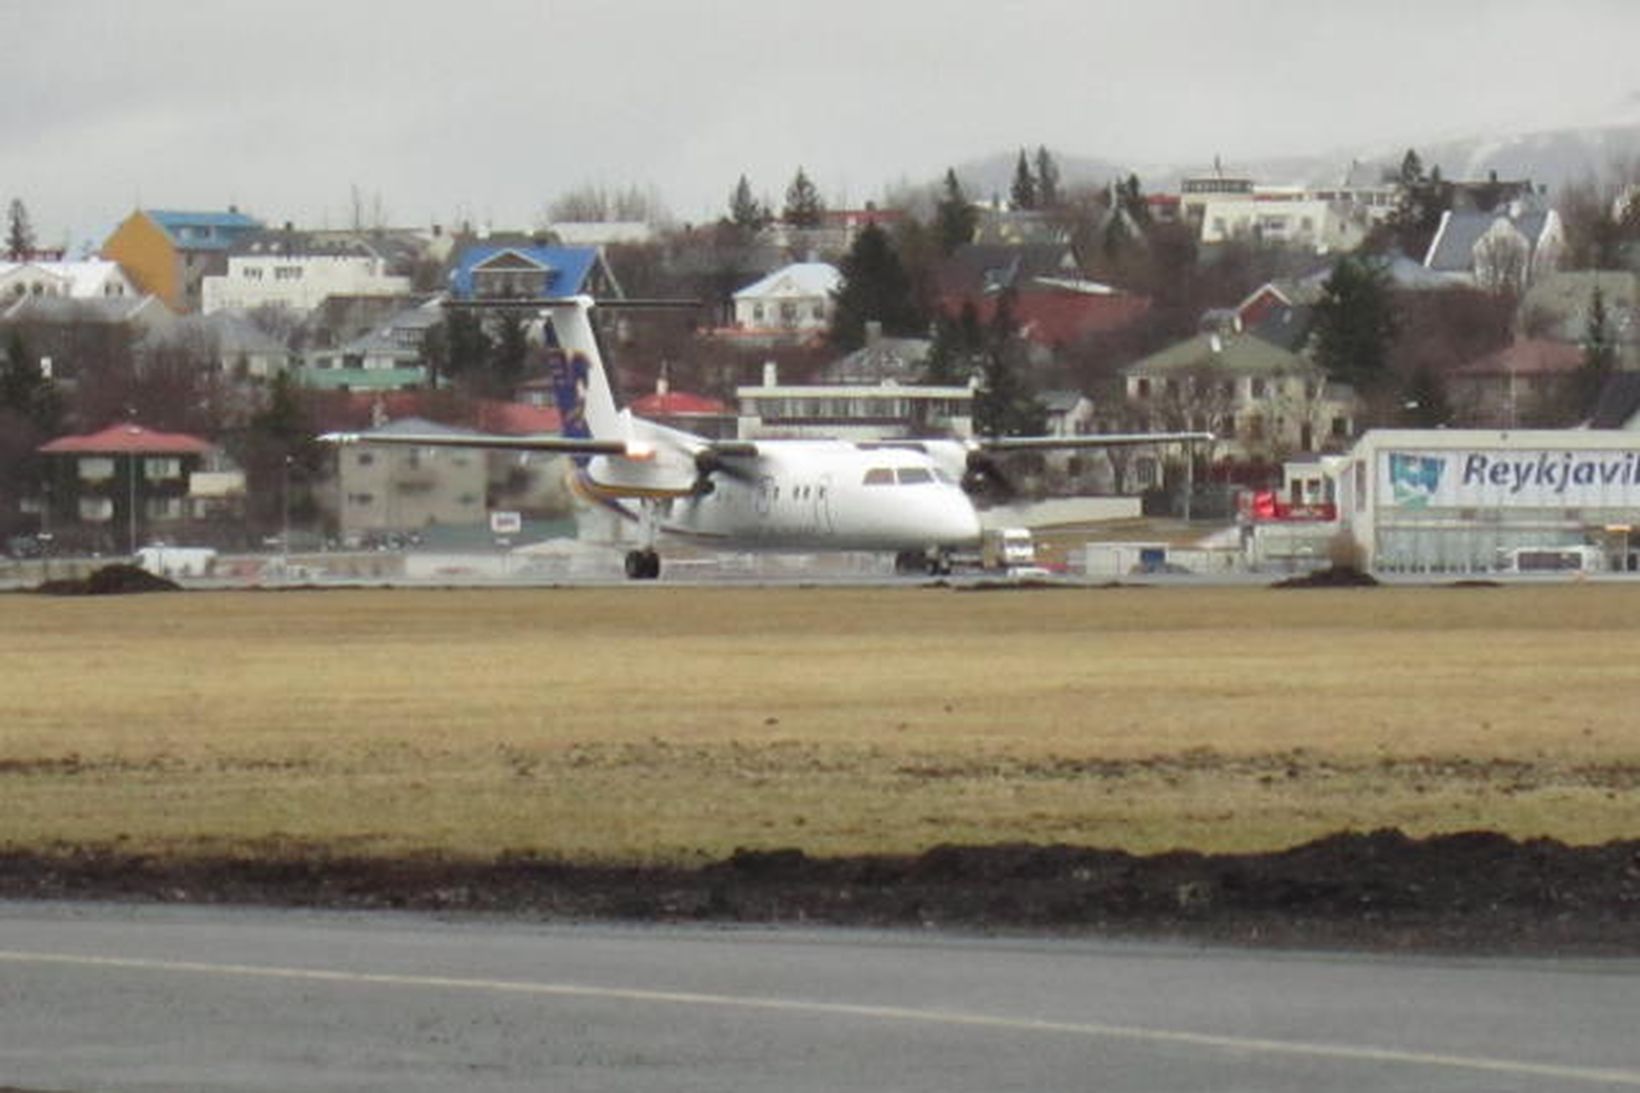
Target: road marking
pixel 1092 1029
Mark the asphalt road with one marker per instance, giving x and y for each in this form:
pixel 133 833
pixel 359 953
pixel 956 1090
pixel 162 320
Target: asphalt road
pixel 97 997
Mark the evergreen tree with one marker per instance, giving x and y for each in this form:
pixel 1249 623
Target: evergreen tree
pixel 24 392
pixel 19 232
pixel 955 217
pixel 875 288
pixel 1355 323
pixel 803 208
pixel 954 355
pixel 1599 359
pixel 1047 179
pixel 745 211
pixel 511 351
pixel 1004 404
pixel 281 457
pixel 467 346
pixel 1023 195
pixel 1423 401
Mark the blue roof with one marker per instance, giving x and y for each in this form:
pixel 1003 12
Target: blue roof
pixel 206 230
pixel 568 268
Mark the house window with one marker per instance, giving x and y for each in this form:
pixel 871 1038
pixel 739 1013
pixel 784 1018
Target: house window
pixel 164 508
pixel 366 458
pixel 1146 472
pixel 757 313
pixel 1142 388
pixel 96 469
pixel 96 510
pixel 1340 428
pixel 1258 388
pixel 161 469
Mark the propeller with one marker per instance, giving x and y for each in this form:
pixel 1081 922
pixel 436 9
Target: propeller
pixel 711 461
pixel 983 476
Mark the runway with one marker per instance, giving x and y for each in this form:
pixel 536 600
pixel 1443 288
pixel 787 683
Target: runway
pixel 107 997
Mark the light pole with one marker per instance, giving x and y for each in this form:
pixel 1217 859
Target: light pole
pixel 131 502
pixel 284 514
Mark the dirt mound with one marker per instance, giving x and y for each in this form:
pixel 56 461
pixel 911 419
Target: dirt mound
pixel 111 580
pixel 1331 577
pixel 1476 891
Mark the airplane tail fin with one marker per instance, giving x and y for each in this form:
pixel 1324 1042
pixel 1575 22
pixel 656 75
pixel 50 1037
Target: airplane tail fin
pixel 580 384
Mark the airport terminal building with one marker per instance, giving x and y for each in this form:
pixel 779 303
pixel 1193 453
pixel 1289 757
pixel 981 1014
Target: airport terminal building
pixel 1483 500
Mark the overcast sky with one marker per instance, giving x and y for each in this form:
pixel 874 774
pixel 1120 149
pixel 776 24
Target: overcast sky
pixel 485 110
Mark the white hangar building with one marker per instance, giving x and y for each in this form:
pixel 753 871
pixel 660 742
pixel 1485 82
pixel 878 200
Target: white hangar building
pixel 1484 500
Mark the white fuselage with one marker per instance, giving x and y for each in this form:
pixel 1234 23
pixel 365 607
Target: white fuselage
pixel 799 495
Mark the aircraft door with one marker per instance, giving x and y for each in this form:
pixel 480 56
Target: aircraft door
pixel 765 496
pixel 822 504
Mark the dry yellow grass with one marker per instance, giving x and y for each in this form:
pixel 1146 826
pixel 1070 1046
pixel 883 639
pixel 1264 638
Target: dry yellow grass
pixel 660 723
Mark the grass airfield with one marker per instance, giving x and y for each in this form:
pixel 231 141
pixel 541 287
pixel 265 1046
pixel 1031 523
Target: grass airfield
pixel 660 724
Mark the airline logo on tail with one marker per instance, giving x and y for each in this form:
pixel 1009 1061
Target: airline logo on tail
pixel 1415 479
pixel 568 373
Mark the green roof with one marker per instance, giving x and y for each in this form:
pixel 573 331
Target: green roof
pixel 1231 354
pixel 361 379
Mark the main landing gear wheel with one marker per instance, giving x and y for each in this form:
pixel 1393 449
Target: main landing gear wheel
pixel 643 565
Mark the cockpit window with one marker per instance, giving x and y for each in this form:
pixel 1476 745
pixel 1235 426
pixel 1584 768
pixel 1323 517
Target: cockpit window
pixel 915 476
pixel 880 476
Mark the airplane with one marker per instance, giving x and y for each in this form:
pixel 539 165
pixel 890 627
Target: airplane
pixel 907 497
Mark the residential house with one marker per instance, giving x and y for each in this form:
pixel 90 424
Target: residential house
pixel 126 485
pixel 1263 402
pixel 492 270
pixel 516 481
pixel 298 271
pixel 1526 383
pixel 791 305
pixel 230 344
pixel 861 397
pixel 388 357
pixel 976 270
pixel 692 413
pixel 1505 249
pixel 1559 306
pixel 170 253
pixel 90 279
pixel 1052 304
pixel 393 488
pixel 72 339
pixel 1320 225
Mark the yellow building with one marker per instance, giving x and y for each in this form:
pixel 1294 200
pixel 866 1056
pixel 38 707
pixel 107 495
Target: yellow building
pixel 168 254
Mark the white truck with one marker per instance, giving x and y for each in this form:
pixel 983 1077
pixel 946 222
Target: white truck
pixel 177 561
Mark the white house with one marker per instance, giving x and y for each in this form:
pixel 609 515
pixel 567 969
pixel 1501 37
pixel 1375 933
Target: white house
pixel 1324 226
pixel 91 279
pixel 282 270
pixel 795 300
pixel 1508 248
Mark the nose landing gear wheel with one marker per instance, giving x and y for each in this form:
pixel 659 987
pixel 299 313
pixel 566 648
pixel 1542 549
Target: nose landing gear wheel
pixel 643 565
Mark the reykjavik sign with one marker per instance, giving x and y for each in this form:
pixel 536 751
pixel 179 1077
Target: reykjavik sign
pixel 1547 478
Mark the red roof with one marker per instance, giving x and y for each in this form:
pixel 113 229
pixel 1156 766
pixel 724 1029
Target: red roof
pixel 676 404
pixel 128 439
pixel 346 411
pixel 1527 357
pixel 1057 317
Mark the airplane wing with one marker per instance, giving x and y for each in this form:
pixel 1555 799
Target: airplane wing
pixel 1094 440
pixel 569 445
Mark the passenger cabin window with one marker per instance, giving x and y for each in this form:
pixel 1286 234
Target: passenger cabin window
pixel 913 476
pixel 880 476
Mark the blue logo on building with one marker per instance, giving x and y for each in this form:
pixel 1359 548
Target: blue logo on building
pixel 1414 479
